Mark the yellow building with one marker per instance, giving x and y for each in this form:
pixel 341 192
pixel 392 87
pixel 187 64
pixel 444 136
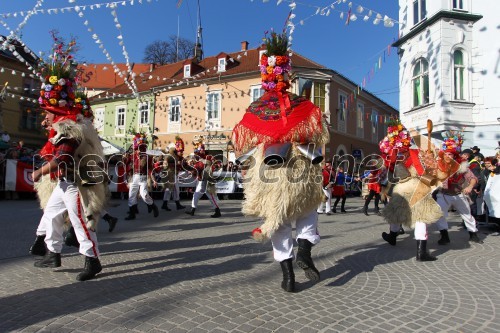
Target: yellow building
pixel 19 114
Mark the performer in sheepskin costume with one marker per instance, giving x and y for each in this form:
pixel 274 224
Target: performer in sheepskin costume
pixel 457 183
pixel 282 185
pixel 169 174
pixel 411 203
pixel 72 181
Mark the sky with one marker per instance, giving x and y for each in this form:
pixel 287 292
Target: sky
pixel 359 50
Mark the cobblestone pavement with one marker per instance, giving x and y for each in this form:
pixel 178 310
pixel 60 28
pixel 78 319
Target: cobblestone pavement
pixel 178 273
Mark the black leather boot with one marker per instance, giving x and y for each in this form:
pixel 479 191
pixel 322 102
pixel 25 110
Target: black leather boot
pixel 191 211
pixel 217 213
pixel 135 209
pixel 365 211
pixel 288 283
pixel 131 213
pixel 165 205
pixel 153 208
pixel 51 259
pixel 377 211
pixel 422 254
pixel 445 239
pixel 38 248
pixel 91 268
pixel 178 205
pixel 473 237
pixel 390 237
pixel 70 238
pixel 304 260
pixel 111 221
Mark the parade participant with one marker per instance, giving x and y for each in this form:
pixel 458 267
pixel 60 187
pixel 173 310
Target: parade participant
pixel 467 155
pixel 72 152
pixel 172 165
pixel 458 182
pixel 411 203
pixel 374 187
pixel 141 168
pixel 203 172
pixel 280 134
pixel 339 190
pixel 327 190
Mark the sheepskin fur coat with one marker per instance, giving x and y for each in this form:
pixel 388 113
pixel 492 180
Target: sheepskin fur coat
pixel 411 200
pixel 91 177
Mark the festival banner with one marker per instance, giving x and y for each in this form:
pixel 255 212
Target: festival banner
pixel 18 176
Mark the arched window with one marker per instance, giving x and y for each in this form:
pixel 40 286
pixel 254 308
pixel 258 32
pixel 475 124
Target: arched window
pixel 420 83
pixel 458 75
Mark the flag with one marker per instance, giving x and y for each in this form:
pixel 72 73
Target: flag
pixel 179 3
pixel 19 176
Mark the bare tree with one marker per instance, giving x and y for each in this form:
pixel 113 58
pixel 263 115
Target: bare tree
pixel 166 52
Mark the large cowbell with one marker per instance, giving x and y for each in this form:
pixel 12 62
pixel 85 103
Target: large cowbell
pixel 277 153
pixel 309 150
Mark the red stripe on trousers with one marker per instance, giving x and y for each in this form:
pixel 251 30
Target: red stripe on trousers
pixel 82 222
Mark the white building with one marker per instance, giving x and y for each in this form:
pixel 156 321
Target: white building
pixel 449 68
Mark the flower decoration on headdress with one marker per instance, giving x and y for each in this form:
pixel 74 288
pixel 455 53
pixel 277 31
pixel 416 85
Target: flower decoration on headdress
pixel 179 144
pixel 59 91
pixel 275 63
pixel 453 141
pixel 397 137
pixel 139 139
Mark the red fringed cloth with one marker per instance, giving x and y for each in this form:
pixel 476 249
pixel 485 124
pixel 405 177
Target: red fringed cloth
pixel 278 117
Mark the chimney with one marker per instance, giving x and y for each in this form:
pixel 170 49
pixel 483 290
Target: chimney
pixel 152 66
pixel 244 45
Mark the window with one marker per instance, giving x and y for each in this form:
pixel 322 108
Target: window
pixel 31 119
pixel 420 83
pixel 319 95
pixel 144 113
pixel 374 123
pixel 256 92
pixel 175 109
pixel 360 121
pixel 342 113
pixel 458 4
pixel 222 65
pixel 419 11
pixel 458 75
pixel 99 119
pixel 187 70
pixel 213 106
pixel 120 116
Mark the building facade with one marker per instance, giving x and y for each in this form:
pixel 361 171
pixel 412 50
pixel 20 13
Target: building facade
pixel 449 68
pixel 20 116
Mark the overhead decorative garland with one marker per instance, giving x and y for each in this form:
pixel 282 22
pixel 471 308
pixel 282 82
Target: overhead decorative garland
pixel 104 51
pixel 82 7
pixel 21 25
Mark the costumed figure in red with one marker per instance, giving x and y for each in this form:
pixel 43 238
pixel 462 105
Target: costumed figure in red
pixel 140 167
pixel 169 174
pixel 203 171
pixel 411 204
pixel 72 182
pixel 280 135
pixel 457 182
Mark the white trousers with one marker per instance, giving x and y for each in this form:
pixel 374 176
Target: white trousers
pixel 65 198
pixel 201 188
pixel 461 205
pixel 328 195
pixel 138 185
pixel 175 193
pixel 306 227
pixel 420 230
